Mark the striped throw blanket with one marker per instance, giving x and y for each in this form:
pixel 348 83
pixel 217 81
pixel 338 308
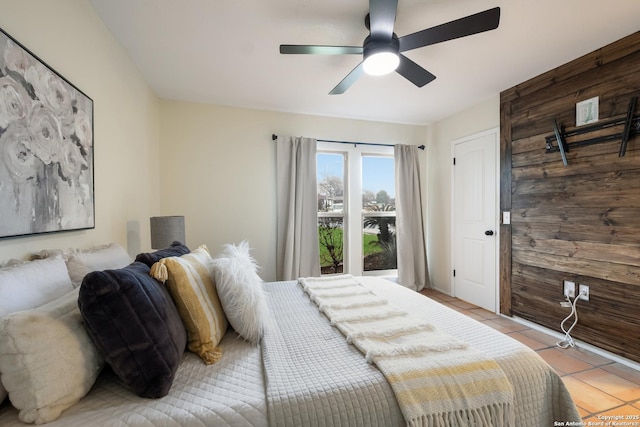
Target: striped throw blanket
pixel 438 380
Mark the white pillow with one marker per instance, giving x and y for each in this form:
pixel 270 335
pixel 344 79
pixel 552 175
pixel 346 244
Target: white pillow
pixel 47 360
pixel 240 291
pixel 108 257
pixel 32 284
pixel 25 285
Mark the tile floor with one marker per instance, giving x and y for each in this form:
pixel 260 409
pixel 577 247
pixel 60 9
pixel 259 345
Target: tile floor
pixel 599 386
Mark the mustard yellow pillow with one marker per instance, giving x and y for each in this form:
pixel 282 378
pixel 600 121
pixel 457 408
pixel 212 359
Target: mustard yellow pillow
pixel 194 293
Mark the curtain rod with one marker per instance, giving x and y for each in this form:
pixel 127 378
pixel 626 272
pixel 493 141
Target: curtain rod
pixel 274 137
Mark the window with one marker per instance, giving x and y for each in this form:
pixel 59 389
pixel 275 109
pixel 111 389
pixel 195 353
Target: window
pixel 356 209
pixel 331 174
pixel 378 213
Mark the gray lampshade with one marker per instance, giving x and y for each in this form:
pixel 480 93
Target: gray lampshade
pixel 165 230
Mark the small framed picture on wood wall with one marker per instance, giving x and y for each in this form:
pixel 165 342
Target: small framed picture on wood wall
pixel 587 111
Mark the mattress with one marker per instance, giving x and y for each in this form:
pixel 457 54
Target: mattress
pixel 305 374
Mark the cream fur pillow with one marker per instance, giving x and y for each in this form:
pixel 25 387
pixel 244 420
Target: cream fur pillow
pixel 240 291
pixel 47 360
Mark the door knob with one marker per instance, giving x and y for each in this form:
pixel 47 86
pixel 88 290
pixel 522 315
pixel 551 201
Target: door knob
pixel 488 233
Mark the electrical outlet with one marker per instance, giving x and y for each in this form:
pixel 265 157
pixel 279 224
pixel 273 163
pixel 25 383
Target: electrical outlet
pixel 569 289
pixel 583 292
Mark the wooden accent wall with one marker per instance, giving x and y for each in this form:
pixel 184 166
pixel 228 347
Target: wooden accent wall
pixel 579 222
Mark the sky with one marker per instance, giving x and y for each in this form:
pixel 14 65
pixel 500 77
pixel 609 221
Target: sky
pixel 377 172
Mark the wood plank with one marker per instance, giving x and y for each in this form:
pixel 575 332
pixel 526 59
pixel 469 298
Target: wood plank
pixel 618 217
pixel 617 254
pixel 574 198
pixel 504 270
pixel 601 181
pixel 529 144
pixel 598 269
pixel 579 164
pixel 604 234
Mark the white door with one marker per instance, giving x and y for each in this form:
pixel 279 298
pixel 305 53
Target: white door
pixel 475 225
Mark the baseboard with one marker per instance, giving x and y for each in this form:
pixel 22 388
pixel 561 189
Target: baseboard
pixel 604 353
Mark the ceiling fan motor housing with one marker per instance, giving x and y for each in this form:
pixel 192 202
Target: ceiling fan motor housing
pixel 372 45
pixel 381 55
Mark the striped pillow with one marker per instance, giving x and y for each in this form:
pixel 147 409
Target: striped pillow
pixel 194 293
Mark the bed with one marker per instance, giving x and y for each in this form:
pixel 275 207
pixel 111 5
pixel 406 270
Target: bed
pixel 304 373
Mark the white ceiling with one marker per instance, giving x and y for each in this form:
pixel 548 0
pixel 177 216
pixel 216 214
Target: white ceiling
pixel 226 52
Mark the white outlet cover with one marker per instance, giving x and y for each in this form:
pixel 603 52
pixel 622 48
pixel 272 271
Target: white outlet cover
pixel 584 288
pixel 571 286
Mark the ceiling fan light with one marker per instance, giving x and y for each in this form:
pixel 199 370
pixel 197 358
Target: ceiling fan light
pixel 381 63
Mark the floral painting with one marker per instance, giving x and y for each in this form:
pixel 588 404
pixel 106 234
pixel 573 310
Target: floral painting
pixel 46 147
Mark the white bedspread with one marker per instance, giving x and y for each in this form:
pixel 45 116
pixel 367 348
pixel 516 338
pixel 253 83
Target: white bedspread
pixel 229 393
pixel 232 392
pixel 421 363
pixel 305 356
pixel 313 377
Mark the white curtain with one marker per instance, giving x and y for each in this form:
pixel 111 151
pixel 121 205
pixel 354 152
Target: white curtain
pixel 297 209
pixel 410 230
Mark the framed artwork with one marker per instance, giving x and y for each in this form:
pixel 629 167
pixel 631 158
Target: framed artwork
pixel 587 111
pixel 46 147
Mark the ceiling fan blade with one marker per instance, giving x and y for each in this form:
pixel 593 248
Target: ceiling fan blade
pixel 413 72
pixel 320 50
pixel 472 24
pixel 347 81
pixel 382 17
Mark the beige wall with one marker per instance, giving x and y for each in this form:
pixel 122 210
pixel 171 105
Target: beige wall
pixel 478 118
pixel 218 168
pixel 69 37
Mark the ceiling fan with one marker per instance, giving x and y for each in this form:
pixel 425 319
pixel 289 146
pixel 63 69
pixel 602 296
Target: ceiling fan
pixel 382 48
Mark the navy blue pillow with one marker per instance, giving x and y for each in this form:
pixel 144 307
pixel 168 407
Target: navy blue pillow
pixel 175 249
pixel 135 325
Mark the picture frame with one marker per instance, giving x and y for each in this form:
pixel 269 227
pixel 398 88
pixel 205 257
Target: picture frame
pixel 46 147
pixel 587 111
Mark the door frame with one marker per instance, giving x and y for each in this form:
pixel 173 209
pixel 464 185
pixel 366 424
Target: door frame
pixel 496 132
